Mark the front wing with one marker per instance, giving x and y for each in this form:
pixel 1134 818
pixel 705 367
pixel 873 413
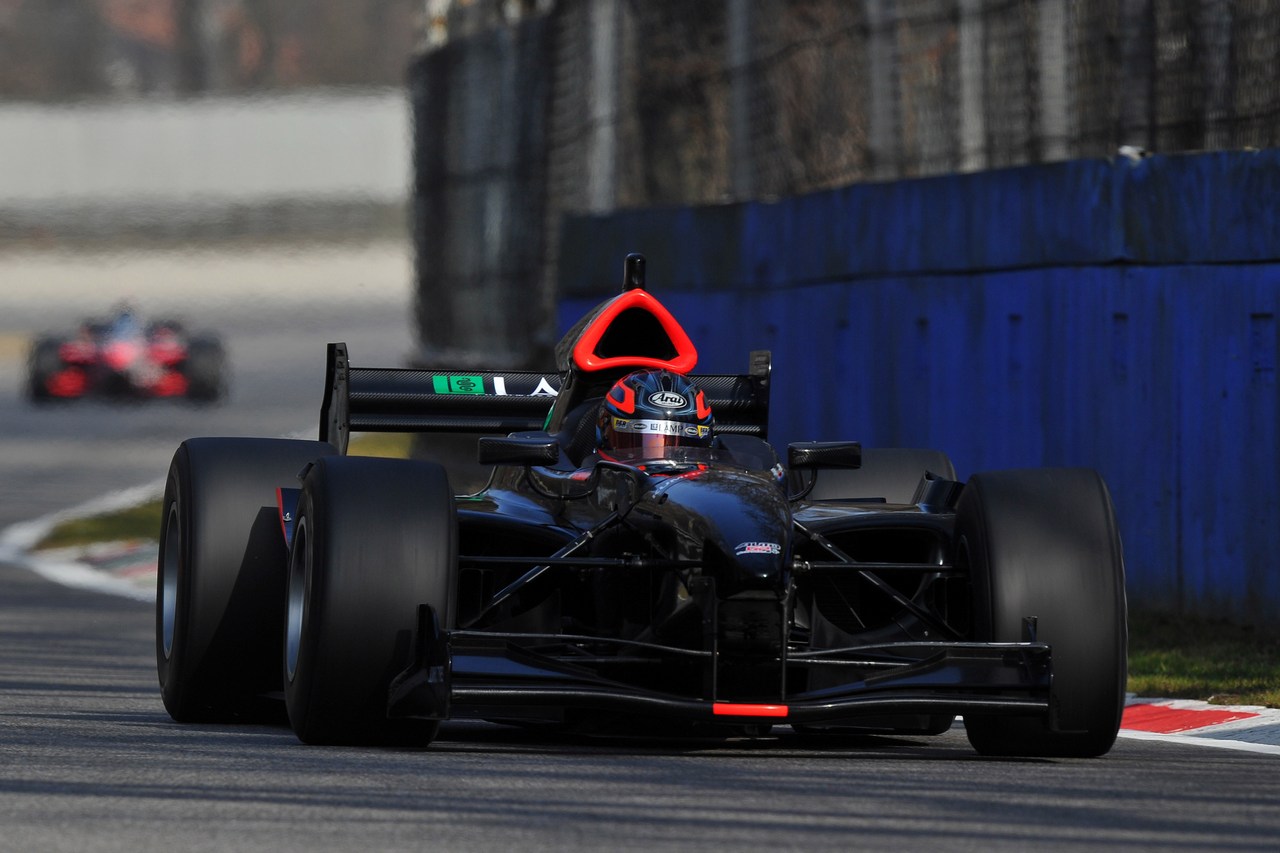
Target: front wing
pixel 485 675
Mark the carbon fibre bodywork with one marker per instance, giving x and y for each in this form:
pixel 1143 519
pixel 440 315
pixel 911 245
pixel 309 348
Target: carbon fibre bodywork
pixel 711 597
pixel 724 588
pixel 715 589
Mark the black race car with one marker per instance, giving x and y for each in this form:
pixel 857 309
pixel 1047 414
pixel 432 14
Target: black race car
pixel 706 588
pixel 123 357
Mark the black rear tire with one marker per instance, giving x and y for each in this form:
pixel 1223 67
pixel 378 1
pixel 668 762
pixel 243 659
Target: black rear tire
pixel 374 539
pixel 1044 543
pixel 43 363
pixel 891 473
pixel 221 578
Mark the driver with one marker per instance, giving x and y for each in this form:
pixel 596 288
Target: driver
pixel 648 411
pixel 125 322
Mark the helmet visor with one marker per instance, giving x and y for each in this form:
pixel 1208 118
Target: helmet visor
pixel 653 436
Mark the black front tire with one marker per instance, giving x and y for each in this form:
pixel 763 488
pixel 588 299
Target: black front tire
pixel 43 363
pixel 1044 543
pixel 374 539
pixel 221 576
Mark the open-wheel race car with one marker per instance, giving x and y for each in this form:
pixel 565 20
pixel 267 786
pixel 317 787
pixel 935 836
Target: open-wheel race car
pixel 123 357
pixel 641 560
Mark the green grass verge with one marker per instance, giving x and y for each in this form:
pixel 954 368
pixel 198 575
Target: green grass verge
pixel 143 521
pixel 136 522
pixel 1187 657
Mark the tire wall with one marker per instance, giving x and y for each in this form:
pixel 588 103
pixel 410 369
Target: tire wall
pixel 1119 315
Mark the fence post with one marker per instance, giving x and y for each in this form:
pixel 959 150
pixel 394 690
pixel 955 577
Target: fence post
pixel 1053 80
pixel 973 127
pixel 739 57
pixel 602 94
pixel 883 139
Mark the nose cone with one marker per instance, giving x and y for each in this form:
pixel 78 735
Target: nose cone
pixel 740 522
pixel 119 355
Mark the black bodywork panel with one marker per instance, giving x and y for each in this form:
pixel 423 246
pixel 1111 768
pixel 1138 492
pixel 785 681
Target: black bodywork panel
pixel 698 589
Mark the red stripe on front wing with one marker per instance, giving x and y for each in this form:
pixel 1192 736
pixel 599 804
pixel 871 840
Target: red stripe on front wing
pixel 735 709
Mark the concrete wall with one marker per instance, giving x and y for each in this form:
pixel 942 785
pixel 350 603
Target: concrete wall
pixel 149 161
pixel 1117 315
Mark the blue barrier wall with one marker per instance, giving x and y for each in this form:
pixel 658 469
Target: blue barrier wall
pixel 1116 315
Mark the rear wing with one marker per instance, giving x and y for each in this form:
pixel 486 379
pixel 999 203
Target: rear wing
pixel 395 399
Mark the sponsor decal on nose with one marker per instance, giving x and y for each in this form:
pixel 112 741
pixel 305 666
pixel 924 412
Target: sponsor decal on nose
pixel 757 548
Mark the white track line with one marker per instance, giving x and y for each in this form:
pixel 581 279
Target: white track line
pixel 1200 740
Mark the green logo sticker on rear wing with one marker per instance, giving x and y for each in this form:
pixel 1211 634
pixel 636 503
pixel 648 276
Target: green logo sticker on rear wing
pixel 523 385
pixel 458 384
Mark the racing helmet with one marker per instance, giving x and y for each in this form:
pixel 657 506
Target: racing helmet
pixel 650 410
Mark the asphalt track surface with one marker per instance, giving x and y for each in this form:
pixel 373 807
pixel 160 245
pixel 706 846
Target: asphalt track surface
pixel 90 761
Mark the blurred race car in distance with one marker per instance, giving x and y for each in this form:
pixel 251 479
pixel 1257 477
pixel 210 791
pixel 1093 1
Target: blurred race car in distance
pixel 123 357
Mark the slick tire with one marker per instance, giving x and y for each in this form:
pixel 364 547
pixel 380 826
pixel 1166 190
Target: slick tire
pixel 42 363
pixel 890 473
pixel 374 538
pixel 221 576
pixel 1044 543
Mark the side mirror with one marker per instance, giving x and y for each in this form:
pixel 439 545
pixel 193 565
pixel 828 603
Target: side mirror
pixel 937 494
pixel 824 454
pixel 814 455
pixel 517 450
